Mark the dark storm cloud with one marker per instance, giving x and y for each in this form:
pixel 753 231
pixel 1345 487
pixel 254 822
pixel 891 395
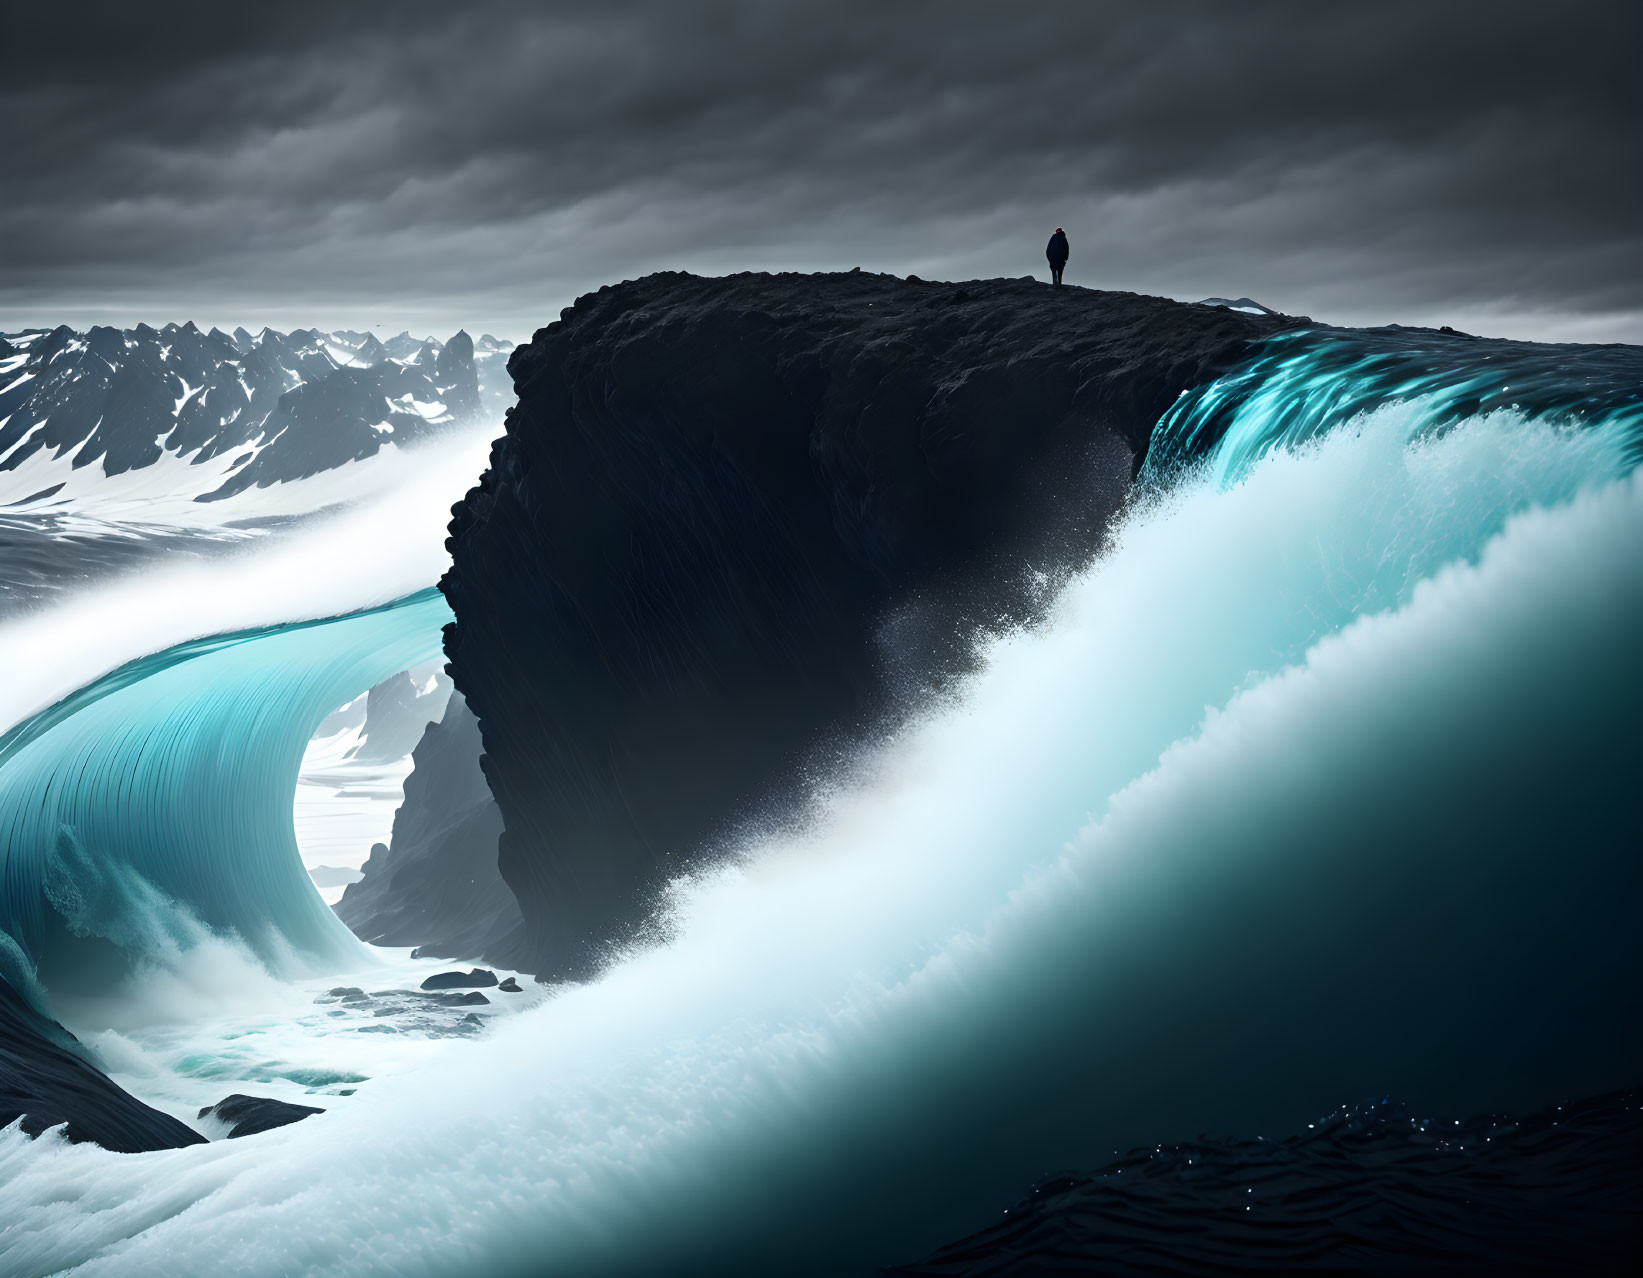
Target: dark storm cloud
pixel 482 163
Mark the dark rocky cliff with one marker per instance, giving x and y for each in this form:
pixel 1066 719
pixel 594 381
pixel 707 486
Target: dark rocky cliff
pixel 733 520
pixel 45 1081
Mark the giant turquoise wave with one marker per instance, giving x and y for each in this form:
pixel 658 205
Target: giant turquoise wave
pixel 1303 384
pixel 156 802
pixel 154 805
pixel 1317 785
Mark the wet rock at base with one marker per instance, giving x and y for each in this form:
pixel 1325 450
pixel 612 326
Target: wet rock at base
pixel 434 998
pixel 248 1115
pixel 510 986
pixel 460 980
pixel 344 994
pixel 48 1080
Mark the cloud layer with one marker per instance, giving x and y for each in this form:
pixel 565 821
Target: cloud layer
pixel 431 164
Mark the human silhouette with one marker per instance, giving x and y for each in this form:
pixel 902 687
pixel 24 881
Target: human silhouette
pixel 1057 253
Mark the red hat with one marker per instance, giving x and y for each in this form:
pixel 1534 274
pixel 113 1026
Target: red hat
pixel 1059 231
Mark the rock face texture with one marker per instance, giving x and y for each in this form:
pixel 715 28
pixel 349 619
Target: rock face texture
pixel 248 1115
pixel 45 1081
pixel 735 522
pixel 436 884
pixel 460 980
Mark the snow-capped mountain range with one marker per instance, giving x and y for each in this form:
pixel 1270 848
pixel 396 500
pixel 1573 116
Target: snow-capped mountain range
pixel 115 443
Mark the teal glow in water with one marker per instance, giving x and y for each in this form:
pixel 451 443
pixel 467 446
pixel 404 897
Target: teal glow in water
pixel 1147 877
pixel 154 806
pixel 1320 782
pixel 1301 385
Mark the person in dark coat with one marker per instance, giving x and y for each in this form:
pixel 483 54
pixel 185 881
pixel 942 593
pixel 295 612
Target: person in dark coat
pixel 1057 253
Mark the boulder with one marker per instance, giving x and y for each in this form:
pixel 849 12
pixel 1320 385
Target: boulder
pixel 478 978
pixel 47 1079
pixel 248 1115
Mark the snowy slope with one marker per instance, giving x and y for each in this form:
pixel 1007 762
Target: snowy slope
pixel 116 446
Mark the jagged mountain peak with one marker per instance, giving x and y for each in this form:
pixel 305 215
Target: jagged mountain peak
pixel 107 343
pixel 260 411
pixel 426 353
pixel 370 351
pixel 401 345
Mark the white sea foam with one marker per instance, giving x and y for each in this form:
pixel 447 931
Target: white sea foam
pixel 386 541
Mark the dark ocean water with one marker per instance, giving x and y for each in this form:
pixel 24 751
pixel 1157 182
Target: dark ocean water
pixel 39 561
pixel 44 556
pixel 1369 1188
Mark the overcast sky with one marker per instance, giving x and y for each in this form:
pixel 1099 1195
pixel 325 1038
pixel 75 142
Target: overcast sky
pixel 1470 162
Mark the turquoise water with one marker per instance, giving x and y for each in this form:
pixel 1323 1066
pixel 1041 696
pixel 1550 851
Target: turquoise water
pixel 154 806
pixel 1318 784
pixel 1301 385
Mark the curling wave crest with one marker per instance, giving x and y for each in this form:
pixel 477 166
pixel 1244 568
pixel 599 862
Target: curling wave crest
pixel 1317 784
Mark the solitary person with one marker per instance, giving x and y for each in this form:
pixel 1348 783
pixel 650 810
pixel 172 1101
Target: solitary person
pixel 1057 253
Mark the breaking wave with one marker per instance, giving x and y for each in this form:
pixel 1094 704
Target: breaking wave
pixel 152 809
pixel 1318 784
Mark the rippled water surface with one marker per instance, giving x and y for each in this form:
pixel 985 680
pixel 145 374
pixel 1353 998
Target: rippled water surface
pixel 1369 1187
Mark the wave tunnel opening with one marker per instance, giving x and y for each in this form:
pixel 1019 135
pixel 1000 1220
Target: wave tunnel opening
pixel 1316 783
pixel 152 808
